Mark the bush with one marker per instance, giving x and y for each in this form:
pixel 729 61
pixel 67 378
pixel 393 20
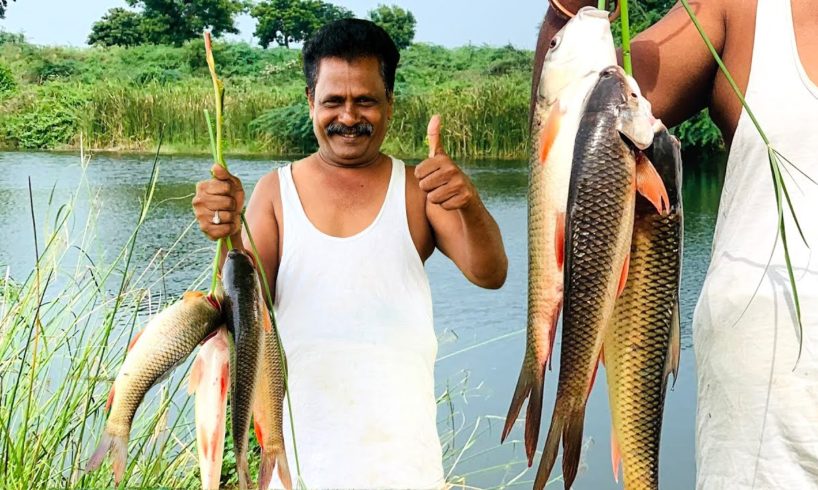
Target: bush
pixel 45 69
pixel 290 125
pixel 7 82
pixel 48 119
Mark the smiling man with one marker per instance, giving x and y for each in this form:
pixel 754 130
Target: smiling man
pixel 343 235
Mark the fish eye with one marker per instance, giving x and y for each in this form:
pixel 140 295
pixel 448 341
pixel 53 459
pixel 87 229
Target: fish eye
pixel 555 41
pixel 633 94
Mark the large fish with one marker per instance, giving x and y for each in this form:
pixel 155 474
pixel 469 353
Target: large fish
pixel 578 52
pixel 642 345
pixel 268 409
pixel 615 124
pixel 210 379
pixel 246 322
pixel 166 341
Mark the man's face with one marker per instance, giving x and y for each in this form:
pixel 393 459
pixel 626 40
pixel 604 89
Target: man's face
pixel 350 110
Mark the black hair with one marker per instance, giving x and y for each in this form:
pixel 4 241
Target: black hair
pixel 351 39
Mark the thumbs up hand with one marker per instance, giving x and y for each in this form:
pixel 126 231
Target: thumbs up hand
pixel 440 178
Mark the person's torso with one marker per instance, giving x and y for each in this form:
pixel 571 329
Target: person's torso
pixel 355 318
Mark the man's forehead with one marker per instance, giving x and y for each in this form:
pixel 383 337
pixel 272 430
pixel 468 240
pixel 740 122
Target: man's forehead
pixel 333 68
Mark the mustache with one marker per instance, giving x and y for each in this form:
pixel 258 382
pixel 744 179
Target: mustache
pixel 360 129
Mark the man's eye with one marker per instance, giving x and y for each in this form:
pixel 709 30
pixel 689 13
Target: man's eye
pixel 331 103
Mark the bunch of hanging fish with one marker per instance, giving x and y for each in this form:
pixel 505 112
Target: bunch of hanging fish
pixel 247 360
pixel 605 244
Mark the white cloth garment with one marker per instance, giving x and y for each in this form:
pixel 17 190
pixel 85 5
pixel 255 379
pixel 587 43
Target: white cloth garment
pixel 355 318
pixel 757 419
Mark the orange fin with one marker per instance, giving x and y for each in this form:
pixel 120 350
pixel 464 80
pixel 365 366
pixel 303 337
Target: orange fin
pixel 225 380
pixel 192 295
pixel 195 375
pixel 265 313
pixel 548 134
pixel 259 436
pixel 559 242
pixel 602 356
pixel 134 339
pixel 110 399
pixel 650 185
pixel 205 444
pixel 616 455
pixel 623 278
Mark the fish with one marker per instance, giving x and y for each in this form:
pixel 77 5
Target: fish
pixel 210 380
pixel 245 321
pixel 642 345
pixel 578 52
pixel 616 124
pixel 166 341
pixel 268 406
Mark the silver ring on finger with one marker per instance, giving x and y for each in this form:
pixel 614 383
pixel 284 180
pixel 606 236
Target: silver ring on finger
pixel 216 220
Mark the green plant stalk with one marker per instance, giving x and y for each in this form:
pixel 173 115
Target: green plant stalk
pixel 626 37
pixel 269 299
pixel 601 5
pixel 219 157
pixel 778 182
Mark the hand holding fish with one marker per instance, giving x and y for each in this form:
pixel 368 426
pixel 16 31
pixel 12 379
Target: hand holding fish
pixel 440 178
pixel 218 204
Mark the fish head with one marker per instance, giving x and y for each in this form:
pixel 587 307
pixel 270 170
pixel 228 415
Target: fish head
pixel 238 271
pixel 666 155
pixel 582 48
pixel 618 94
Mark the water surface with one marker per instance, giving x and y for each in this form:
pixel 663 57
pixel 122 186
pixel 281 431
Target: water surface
pixel 481 333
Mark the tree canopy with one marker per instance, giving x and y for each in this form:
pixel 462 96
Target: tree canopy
pixel 119 27
pixel 166 21
pixel 4 4
pixel 292 21
pixel 397 22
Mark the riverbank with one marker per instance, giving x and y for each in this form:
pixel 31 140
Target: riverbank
pixel 121 99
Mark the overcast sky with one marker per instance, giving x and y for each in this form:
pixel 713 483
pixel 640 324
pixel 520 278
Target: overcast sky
pixel 447 22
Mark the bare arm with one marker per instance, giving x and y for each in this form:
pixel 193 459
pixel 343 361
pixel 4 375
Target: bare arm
pixel 672 65
pixel 463 228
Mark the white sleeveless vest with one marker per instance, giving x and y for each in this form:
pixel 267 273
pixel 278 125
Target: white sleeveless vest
pixel 355 318
pixel 757 419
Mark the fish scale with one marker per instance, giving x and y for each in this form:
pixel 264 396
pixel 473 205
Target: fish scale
pixel 638 342
pixel 165 342
pixel 245 322
pixel 599 224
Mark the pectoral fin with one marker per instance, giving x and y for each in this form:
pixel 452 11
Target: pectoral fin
pixel 650 185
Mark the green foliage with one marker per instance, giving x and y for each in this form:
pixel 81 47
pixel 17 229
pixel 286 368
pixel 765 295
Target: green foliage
pixel 292 21
pixel 7 82
pixel 52 68
pixel 166 22
pixel 11 38
pixel 290 125
pixel 397 22
pixel 4 4
pixel 47 117
pixel 699 132
pixel 119 27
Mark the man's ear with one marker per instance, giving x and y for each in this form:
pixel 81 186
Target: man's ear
pixel 390 104
pixel 310 100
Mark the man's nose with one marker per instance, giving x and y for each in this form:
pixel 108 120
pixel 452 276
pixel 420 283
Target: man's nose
pixel 349 115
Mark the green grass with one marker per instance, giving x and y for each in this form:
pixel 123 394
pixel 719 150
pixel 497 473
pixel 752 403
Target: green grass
pixel 118 98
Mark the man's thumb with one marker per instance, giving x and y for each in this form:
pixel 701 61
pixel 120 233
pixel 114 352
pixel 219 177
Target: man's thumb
pixel 433 135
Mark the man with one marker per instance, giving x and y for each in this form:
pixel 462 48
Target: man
pixel 342 235
pixel 757 423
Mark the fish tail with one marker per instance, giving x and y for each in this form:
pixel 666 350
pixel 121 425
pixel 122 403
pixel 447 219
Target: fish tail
pixel 284 470
pixel 243 469
pixel 549 452
pixel 269 459
pixel 572 446
pixel 529 384
pixel 118 448
pixel 569 429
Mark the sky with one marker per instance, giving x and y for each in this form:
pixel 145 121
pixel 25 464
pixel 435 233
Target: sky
pixel 449 23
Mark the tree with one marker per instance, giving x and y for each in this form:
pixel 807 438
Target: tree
pixel 398 23
pixel 119 27
pixel 4 4
pixel 176 21
pixel 292 21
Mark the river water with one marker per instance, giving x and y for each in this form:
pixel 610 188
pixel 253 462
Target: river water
pixel 481 333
